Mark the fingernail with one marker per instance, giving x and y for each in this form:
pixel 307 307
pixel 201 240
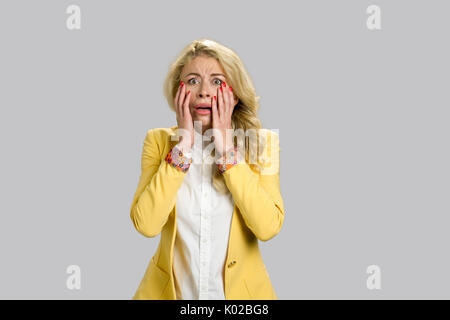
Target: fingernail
pixel 181 84
pixel 221 89
pixel 189 91
pixel 231 89
pixel 214 97
pixel 224 84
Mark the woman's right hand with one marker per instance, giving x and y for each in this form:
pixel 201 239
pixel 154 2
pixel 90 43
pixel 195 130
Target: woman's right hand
pixel 184 117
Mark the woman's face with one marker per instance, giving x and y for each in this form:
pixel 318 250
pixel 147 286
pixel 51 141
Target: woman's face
pixel 203 76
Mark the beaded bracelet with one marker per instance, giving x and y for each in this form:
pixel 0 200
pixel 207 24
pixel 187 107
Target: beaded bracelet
pixel 178 160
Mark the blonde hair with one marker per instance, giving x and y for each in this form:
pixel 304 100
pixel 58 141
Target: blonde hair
pixel 245 112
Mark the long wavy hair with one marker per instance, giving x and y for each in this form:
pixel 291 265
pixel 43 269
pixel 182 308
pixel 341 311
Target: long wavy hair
pixel 244 113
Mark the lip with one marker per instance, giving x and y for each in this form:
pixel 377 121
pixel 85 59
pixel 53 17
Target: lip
pixel 202 111
pixel 202 105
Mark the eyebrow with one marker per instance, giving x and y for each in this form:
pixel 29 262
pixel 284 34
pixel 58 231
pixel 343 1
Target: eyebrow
pixel 212 74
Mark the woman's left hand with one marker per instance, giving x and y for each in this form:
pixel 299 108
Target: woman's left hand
pixel 222 109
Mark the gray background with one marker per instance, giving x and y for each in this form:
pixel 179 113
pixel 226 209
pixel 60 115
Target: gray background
pixel 362 117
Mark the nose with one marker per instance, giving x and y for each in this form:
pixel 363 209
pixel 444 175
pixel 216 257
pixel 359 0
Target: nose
pixel 206 91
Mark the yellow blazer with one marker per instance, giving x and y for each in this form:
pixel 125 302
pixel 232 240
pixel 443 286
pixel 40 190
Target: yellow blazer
pixel 258 214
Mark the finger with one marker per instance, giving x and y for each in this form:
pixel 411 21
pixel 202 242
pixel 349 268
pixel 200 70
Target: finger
pixel 178 91
pixel 181 100
pixel 186 112
pixel 215 113
pixel 232 100
pixel 220 105
pixel 226 101
pixel 177 97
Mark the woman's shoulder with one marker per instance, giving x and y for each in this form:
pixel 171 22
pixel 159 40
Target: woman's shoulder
pixel 269 159
pixel 269 133
pixel 162 134
pixel 270 137
pixel 158 140
pixel 164 131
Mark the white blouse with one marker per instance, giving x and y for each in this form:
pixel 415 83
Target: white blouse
pixel 203 227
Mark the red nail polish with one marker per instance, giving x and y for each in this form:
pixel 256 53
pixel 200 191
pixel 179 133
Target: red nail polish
pixel 221 89
pixel 189 91
pixel 231 89
pixel 181 84
pixel 215 98
pixel 224 84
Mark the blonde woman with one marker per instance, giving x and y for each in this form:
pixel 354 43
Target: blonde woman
pixel 209 195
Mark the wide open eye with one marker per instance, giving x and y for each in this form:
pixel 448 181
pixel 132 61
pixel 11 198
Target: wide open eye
pixel 216 81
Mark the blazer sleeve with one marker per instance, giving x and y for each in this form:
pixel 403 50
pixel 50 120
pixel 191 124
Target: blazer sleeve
pixel 258 196
pixel 157 189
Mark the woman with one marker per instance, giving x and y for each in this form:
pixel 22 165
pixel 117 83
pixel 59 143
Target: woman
pixel 210 213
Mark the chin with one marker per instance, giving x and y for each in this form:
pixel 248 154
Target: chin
pixel 206 123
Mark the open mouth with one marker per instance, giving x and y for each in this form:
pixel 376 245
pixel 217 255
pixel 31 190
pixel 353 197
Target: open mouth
pixel 203 110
